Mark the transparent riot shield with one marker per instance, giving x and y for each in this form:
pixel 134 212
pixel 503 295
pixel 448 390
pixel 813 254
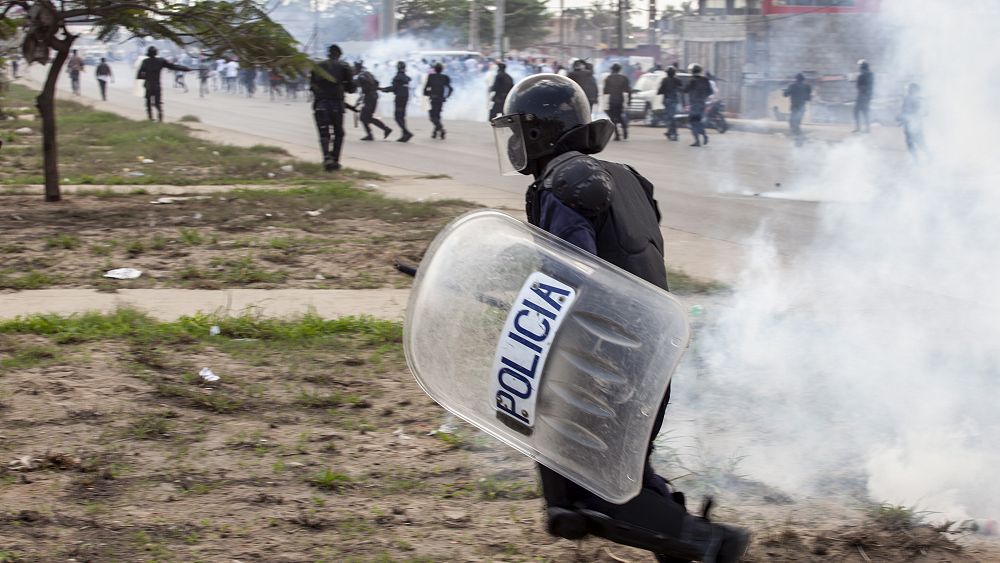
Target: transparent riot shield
pixel 552 350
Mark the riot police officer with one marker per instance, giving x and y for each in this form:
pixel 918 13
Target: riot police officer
pixel 369 97
pixel 607 209
pixel 328 83
pixel 698 90
pixel 670 89
pixel 616 86
pixel 400 87
pixel 500 88
pixel 438 89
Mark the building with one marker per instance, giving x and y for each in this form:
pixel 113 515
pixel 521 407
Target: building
pixel 755 48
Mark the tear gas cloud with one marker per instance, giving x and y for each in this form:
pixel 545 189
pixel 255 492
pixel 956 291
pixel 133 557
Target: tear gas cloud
pixel 868 364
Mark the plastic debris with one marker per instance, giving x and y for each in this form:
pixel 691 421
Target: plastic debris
pixel 136 174
pixel 23 131
pixel 172 199
pixel 315 213
pixel 216 153
pixel 271 174
pixel 148 161
pixel 214 331
pixel 370 186
pixel 123 273
pixel 208 376
pixel 288 168
pixel 320 277
pixel 196 216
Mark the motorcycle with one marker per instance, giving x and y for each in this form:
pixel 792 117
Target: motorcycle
pixel 713 117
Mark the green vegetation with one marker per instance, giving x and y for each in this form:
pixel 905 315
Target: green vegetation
pixel 97 147
pixel 682 283
pixel 152 426
pixel 330 480
pixel 28 280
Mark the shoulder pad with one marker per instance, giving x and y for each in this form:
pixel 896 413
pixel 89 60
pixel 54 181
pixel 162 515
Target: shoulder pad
pixel 580 182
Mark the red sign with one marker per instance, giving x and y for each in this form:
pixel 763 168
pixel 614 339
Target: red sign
pixel 819 6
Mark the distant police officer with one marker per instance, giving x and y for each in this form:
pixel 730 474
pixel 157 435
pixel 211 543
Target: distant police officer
pixel 585 78
pixel 149 71
pixel 400 87
pixel 607 209
pixel 438 89
pixel 670 89
pixel 616 86
pixel 698 91
pixel 865 86
pixel 501 86
pixel 798 93
pixel 328 83
pixel 369 96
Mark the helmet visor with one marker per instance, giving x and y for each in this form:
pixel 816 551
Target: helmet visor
pixel 511 152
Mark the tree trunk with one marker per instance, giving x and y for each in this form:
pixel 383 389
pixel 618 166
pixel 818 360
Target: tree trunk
pixel 46 104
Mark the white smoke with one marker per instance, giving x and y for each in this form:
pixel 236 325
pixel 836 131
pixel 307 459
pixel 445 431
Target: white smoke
pixel 870 362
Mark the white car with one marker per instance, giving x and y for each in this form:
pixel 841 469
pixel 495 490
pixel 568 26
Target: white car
pixel 646 104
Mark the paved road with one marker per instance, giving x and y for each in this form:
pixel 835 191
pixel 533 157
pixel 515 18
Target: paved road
pixel 705 193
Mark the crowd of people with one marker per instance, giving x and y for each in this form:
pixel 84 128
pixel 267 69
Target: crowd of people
pixel 608 89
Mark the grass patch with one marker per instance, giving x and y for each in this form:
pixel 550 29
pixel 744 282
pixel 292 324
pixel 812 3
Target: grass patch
pixel 152 426
pixel 680 282
pixel 330 480
pixel 28 280
pixel 317 400
pixel 29 357
pixel 97 147
pixel 188 118
pixel 129 323
pixel 244 271
pixel 63 241
pixel 493 488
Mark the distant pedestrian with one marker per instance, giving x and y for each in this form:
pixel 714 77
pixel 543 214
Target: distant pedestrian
pixel 369 96
pixel 328 84
pixel 14 65
pixel 149 72
pixel 75 66
pixel 798 93
pixel 438 89
pixel 104 76
pixel 911 118
pixel 400 88
pixel 698 90
pixel 230 73
pixel 866 86
pixel 502 85
pixel 179 75
pixel 585 78
pixel 205 68
pixel 616 87
pixel 671 88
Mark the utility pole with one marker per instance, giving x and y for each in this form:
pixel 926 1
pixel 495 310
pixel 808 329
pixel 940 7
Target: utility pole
pixel 498 24
pixel 622 7
pixel 387 23
pixel 653 27
pixel 473 26
pixel 562 31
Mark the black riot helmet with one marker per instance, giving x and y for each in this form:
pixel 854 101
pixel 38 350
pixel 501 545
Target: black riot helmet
pixel 400 66
pixel 546 115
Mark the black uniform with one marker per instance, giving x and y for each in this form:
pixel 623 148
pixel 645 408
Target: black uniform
pixel 438 89
pixel 616 86
pixel 586 80
pixel 798 93
pixel 328 106
pixel 150 72
pixel 698 90
pixel 866 85
pixel 670 89
pixel 369 92
pixel 500 88
pixel 400 87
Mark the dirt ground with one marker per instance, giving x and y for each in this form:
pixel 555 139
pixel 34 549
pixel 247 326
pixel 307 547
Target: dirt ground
pixel 318 448
pixel 327 237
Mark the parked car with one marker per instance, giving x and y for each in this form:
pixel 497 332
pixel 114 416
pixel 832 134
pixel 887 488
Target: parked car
pixel 647 105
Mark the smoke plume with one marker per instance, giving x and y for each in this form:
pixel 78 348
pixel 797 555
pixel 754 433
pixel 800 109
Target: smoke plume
pixel 869 363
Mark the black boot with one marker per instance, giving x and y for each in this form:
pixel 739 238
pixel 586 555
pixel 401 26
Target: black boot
pixel 385 133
